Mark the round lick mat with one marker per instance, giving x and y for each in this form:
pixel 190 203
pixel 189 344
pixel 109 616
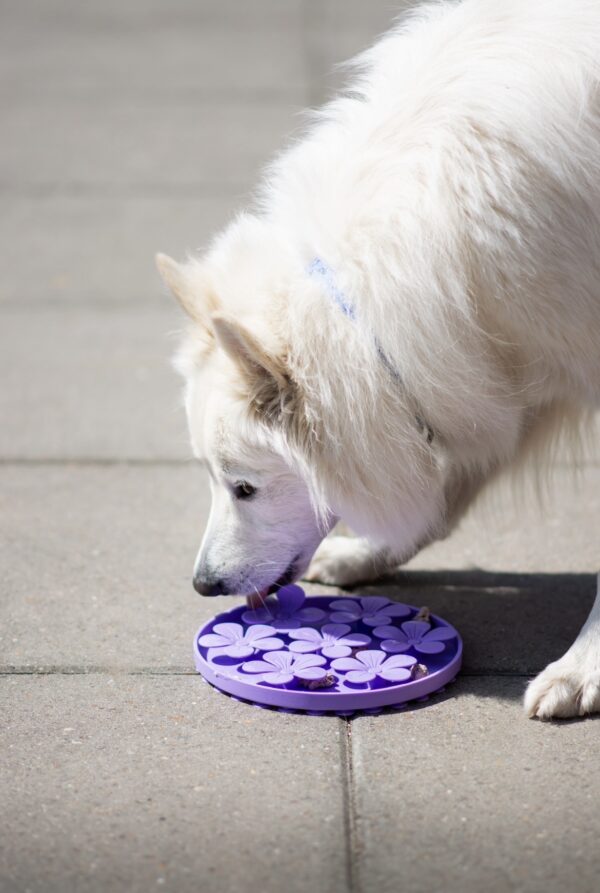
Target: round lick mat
pixel 328 655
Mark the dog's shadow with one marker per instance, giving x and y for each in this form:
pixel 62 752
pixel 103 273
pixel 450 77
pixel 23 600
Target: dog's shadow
pixel 512 624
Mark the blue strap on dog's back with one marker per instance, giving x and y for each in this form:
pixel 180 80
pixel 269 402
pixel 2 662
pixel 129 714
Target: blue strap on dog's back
pixel 319 269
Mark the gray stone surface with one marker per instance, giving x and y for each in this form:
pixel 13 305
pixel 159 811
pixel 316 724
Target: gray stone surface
pixel 141 783
pixel 98 565
pixel 465 795
pixel 91 382
pixel 112 146
pixel 172 50
pixel 102 248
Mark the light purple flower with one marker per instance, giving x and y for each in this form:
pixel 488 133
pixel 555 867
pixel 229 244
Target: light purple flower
pixel 279 667
pixel 415 634
pixel 367 665
pixel 331 640
pixel 372 610
pixel 285 611
pixel 231 640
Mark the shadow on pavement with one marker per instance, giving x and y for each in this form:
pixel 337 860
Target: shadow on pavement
pixel 511 623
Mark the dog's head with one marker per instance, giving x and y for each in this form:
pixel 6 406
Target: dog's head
pixel 263 527
pixel 290 447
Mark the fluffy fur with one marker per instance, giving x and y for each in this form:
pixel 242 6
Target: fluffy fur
pixel 454 191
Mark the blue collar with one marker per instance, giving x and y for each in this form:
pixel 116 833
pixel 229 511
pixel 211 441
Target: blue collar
pixel 318 269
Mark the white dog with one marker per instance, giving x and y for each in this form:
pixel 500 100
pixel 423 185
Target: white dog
pixel 413 305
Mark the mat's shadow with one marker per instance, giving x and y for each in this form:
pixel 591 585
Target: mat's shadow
pixel 511 623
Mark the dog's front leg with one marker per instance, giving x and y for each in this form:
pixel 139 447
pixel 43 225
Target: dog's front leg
pixel 570 686
pixel 348 560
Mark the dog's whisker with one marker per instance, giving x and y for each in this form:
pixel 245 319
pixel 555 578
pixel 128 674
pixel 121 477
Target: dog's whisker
pixel 262 600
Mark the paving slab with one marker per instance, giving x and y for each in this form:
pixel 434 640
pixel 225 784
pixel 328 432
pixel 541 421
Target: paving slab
pixel 65 15
pixel 132 783
pixel 91 383
pixel 143 51
pixel 97 566
pixel 101 248
pixel 465 794
pixel 115 146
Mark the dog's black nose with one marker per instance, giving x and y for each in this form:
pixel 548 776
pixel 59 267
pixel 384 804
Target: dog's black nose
pixel 209 587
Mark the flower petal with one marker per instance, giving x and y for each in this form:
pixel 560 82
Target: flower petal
pixel 393 646
pixel 389 632
pixel 280 659
pixel 344 617
pixel 231 631
pixel 259 631
pixel 336 650
pixel 311 673
pixel 335 630
pixel 395 610
pixel 426 647
pixel 360 676
pixel 345 604
pixel 371 659
pixel 415 629
pixel 311 615
pixel 256 666
pixel 269 644
pixel 238 650
pixel 373 603
pixel 211 640
pixel 308 660
pixel 301 647
pixel 277 678
pixel 346 663
pixel 395 674
pixel 355 640
pixel 291 598
pixel 307 634
pixel 284 624
pixel 400 660
pixel 260 615
pixel 440 634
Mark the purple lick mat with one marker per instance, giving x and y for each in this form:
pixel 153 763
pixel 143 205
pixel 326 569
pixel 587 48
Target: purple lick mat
pixel 326 654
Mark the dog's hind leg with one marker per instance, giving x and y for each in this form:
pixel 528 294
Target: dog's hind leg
pixel 347 560
pixel 570 686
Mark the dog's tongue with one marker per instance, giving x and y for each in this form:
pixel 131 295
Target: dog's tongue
pixel 257 599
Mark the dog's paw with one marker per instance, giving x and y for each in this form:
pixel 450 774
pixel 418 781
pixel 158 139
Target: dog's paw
pixel 343 561
pixel 562 690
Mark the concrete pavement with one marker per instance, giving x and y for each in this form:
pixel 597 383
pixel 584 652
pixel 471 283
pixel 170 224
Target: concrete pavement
pixel 140 126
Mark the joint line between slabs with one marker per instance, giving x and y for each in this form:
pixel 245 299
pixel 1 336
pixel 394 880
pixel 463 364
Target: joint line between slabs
pixel 98 669
pixel 353 848
pixel 74 670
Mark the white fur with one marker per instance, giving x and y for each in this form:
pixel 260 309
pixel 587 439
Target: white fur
pixel 455 193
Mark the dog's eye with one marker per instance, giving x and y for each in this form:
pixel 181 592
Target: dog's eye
pixel 244 490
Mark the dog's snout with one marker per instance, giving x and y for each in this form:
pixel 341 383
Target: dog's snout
pixel 209 586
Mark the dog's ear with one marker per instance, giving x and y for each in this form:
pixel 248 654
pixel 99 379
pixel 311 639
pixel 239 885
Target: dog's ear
pixel 193 294
pixel 260 369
